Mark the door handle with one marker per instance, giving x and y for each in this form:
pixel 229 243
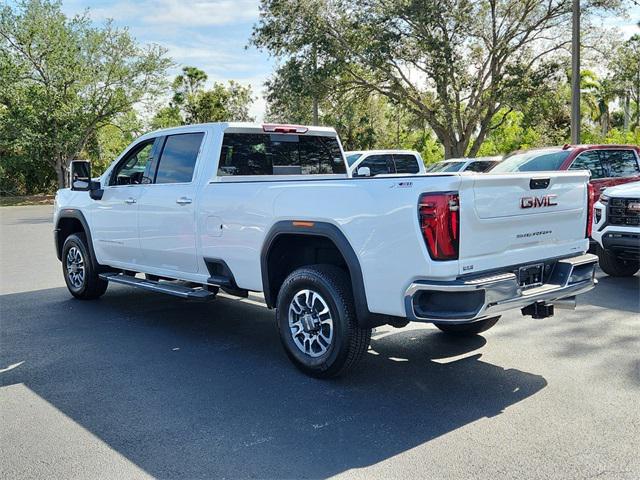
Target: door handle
pixel 183 201
pixel 130 200
pixel 602 189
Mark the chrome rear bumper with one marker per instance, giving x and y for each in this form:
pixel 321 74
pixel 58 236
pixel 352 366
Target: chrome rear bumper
pixel 469 299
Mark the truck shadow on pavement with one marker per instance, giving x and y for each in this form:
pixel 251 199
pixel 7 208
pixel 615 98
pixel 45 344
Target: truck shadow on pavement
pixel 627 298
pixel 197 390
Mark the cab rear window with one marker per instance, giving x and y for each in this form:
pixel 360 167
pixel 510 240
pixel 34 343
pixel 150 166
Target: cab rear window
pixel 279 154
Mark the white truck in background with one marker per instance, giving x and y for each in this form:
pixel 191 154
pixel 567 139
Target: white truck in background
pixel 270 208
pixel 369 163
pixel 616 230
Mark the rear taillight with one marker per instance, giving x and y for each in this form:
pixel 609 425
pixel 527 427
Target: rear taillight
pixel 591 200
pixel 439 215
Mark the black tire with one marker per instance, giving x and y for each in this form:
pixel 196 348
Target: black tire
pixel 616 267
pixel 90 286
pixel 467 329
pixel 348 342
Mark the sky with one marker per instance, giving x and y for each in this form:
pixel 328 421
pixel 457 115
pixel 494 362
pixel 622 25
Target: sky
pixel 213 34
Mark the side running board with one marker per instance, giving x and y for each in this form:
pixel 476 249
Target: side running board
pixel 162 287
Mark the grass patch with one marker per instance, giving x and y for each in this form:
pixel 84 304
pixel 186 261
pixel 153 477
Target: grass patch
pixel 28 200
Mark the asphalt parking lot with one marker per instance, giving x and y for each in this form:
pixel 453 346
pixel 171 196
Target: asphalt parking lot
pixel 138 385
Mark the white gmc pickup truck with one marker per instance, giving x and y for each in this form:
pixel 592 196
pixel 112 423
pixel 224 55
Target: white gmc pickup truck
pixel 269 208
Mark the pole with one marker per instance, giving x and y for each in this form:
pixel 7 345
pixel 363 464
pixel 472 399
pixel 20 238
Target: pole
pixel 575 75
pixel 314 107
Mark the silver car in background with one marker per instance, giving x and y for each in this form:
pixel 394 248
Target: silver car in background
pixel 479 164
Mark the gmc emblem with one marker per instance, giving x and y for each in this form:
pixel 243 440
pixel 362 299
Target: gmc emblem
pixel 537 202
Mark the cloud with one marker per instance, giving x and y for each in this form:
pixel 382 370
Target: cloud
pixel 178 13
pixel 208 34
pixel 629 30
pixel 626 24
pixel 200 13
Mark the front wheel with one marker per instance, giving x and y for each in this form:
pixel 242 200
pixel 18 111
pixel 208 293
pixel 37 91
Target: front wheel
pixel 467 329
pixel 616 267
pixel 317 322
pixel 79 273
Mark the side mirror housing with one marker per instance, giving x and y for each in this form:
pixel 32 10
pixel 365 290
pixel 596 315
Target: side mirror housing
pixel 364 172
pixel 80 176
pixel 95 192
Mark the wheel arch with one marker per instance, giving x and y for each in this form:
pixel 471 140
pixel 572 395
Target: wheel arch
pixel 72 221
pixel 303 242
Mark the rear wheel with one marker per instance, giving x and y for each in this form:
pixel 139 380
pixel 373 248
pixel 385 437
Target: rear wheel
pixel 616 267
pixel 79 273
pixel 317 322
pixel 467 329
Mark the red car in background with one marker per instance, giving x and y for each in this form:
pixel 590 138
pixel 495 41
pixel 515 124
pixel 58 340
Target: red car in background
pixel 609 164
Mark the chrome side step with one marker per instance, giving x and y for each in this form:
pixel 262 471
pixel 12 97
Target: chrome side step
pixel 161 287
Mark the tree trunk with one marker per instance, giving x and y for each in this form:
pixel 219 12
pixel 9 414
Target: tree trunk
pixel 314 53
pixel 453 148
pixel 638 99
pixel 61 173
pixel 627 111
pixel 315 120
pixel 605 123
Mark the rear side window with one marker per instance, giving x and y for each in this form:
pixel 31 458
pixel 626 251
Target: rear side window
pixel 589 161
pixel 406 164
pixel 378 165
pixel 279 154
pixel 351 159
pixel 619 163
pixel 607 163
pixel 450 167
pixel 178 158
pixel 535 161
pixel 479 166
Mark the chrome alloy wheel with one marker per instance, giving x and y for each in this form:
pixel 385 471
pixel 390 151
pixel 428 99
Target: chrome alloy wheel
pixel 75 267
pixel 310 323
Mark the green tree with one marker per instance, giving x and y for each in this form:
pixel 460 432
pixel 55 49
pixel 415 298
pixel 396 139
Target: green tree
pixel 111 139
pixel 454 64
pixel 295 31
pixel 193 103
pixel 288 101
pixel 63 78
pixel 225 103
pixel 625 65
pixel 166 117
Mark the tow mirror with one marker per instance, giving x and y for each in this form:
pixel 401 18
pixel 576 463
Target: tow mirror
pixel 80 175
pixel 364 172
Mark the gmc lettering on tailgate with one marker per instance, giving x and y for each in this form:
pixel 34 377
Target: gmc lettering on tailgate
pixel 537 202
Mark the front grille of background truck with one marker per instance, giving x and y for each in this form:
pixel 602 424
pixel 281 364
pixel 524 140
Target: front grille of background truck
pixel 620 214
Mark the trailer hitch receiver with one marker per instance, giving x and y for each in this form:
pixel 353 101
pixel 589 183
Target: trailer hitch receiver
pixel 538 310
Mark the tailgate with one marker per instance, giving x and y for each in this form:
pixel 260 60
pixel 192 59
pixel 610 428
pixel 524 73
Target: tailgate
pixel 519 218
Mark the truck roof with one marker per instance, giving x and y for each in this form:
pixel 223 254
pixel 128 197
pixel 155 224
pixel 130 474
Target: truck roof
pixel 576 148
pixel 380 152
pixel 248 127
